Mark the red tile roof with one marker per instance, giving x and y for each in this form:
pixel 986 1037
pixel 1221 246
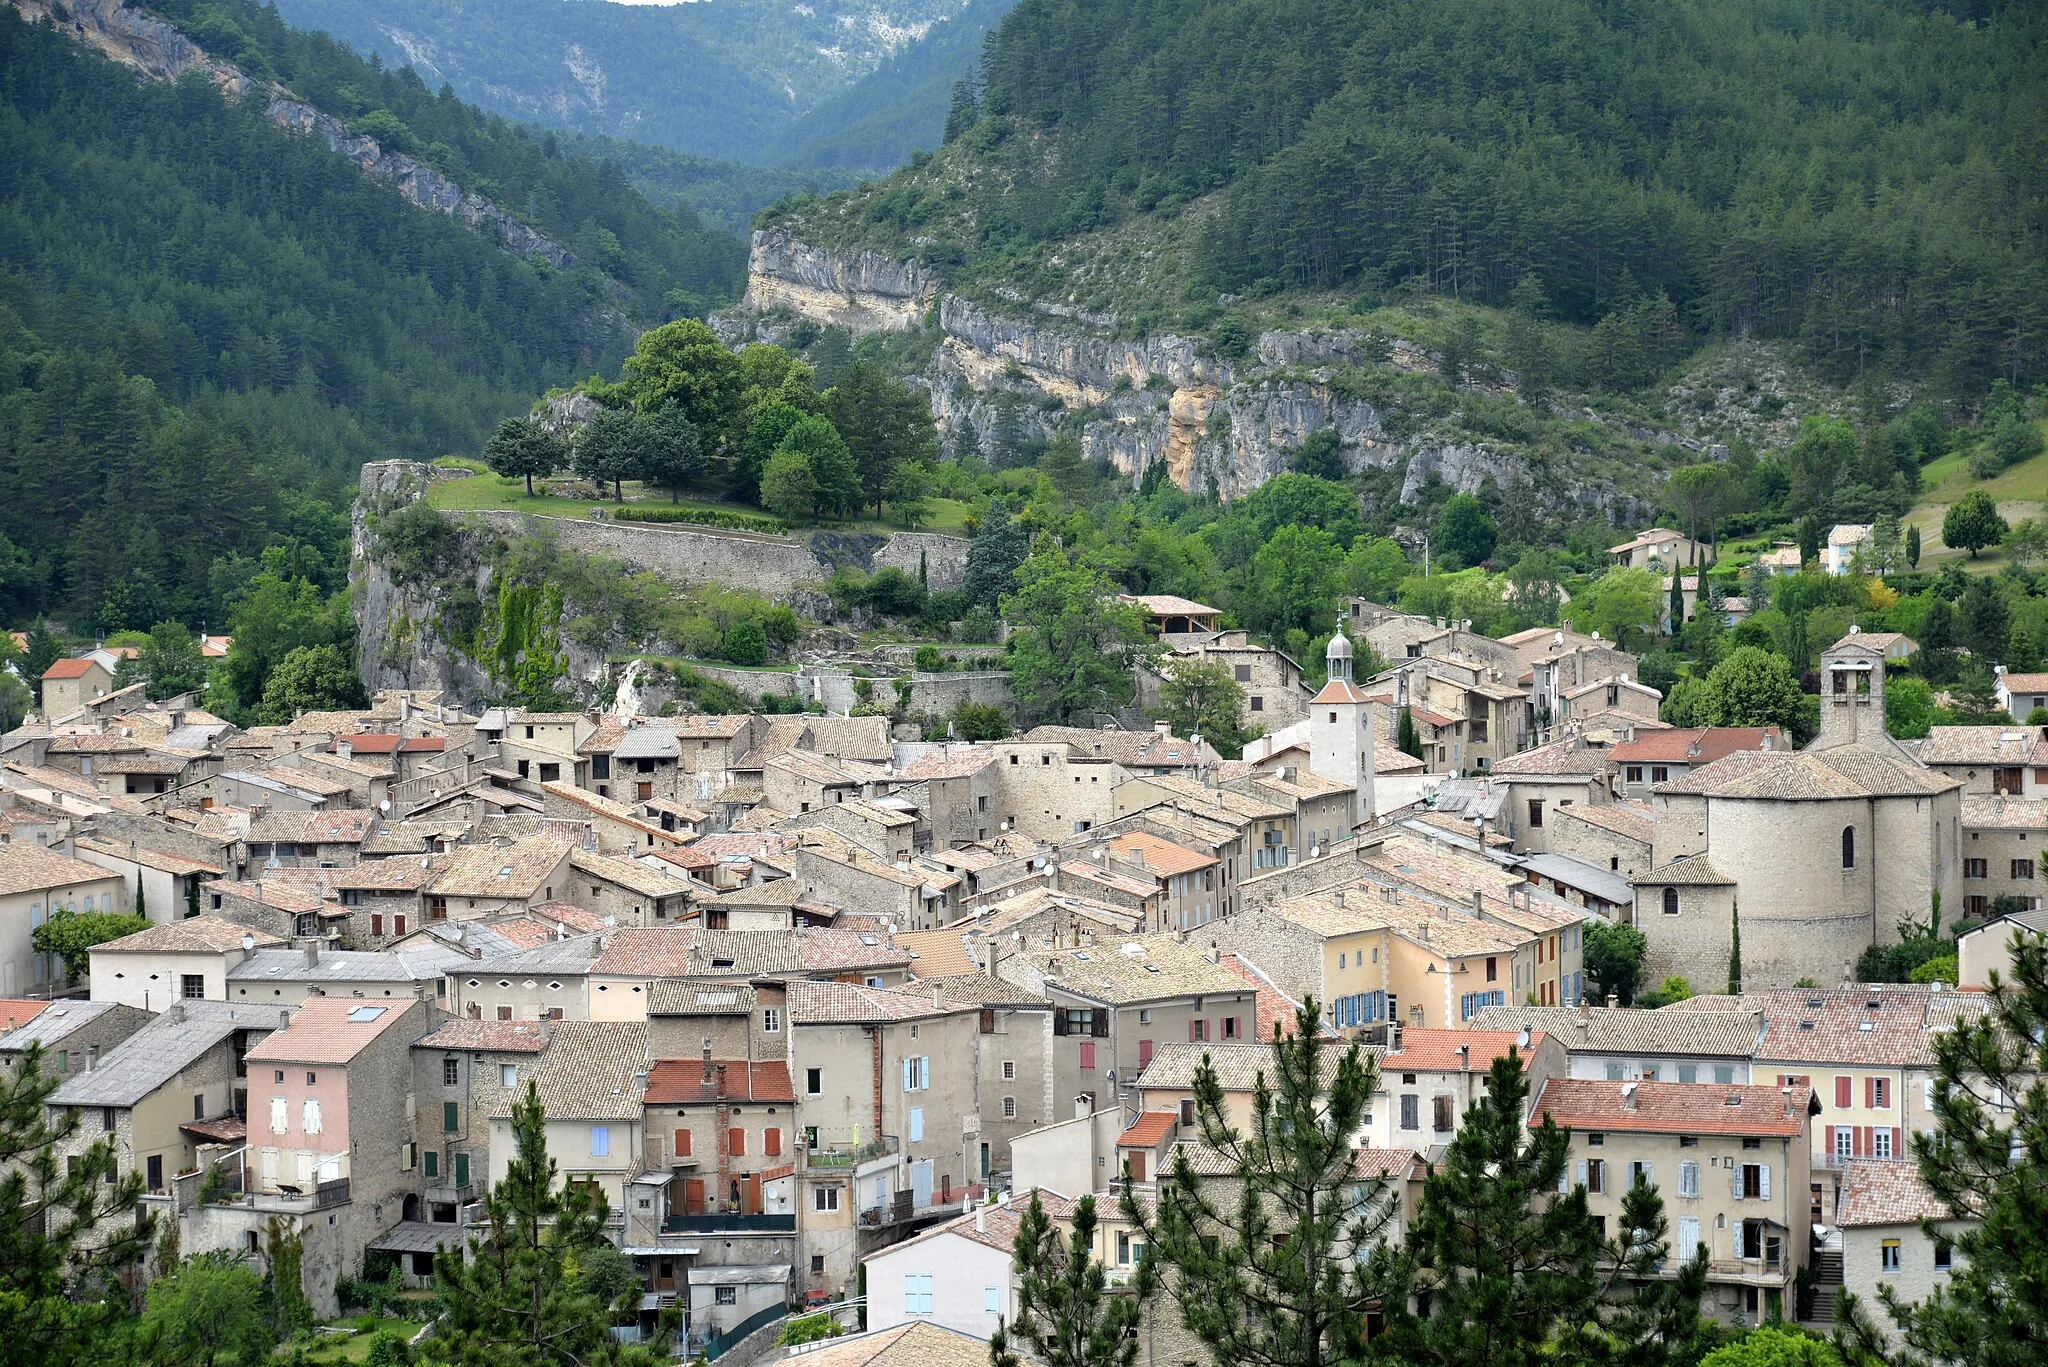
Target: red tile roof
pixel 14 1012
pixel 497 1037
pixel 1148 1130
pixel 1674 1108
pixel 1693 744
pixel 71 669
pixel 680 1082
pixel 1435 1051
pixel 328 1030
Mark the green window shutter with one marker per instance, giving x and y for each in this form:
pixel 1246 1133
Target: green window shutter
pixel 433 1163
pixel 451 1116
pixel 461 1169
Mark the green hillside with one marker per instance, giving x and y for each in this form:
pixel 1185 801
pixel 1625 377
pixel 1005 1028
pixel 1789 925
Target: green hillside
pixel 719 80
pixel 207 325
pixel 1865 177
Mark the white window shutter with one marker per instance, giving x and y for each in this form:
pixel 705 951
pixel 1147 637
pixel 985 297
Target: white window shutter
pixel 1564 1180
pixel 908 1076
pixel 1582 1172
pixel 1649 1175
pixel 1735 1181
pixel 1765 1189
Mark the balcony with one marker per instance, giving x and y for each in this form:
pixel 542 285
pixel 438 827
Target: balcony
pixel 844 1157
pixel 729 1224
pixel 902 1207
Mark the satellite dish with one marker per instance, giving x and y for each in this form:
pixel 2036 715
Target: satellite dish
pixel 248 941
pixel 385 805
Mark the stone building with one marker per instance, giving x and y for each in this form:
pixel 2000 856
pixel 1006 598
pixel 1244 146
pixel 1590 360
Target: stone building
pixel 2010 761
pixel 2003 839
pixel 1880 1210
pixel 1275 694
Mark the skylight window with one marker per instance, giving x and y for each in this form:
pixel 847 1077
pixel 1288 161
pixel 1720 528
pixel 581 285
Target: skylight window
pixel 363 1015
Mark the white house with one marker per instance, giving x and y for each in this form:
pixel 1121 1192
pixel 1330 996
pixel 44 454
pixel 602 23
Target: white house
pixel 2020 694
pixel 186 960
pixel 955 1275
pixel 1843 539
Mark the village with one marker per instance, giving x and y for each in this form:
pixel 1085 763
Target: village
pixel 817 1007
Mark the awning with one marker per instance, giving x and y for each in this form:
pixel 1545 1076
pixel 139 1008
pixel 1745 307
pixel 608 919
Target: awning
pixel 654 1179
pixel 418 1236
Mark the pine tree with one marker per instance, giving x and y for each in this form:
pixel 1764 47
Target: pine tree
pixel 1277 1260
pixel 517 1298
pixel 1990 1161
pixel 963 112
pixel 1503 1245
pixel 1735 951
pixel 1066 1313
pixel 1645 1316
pixel 66 1233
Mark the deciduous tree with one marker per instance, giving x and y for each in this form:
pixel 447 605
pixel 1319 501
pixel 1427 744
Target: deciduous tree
pixel 1972 523
pixel 1199 698
pixel 1070 658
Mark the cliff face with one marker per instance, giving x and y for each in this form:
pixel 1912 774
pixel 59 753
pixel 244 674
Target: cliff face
pixel 157 49
pixel 1158 400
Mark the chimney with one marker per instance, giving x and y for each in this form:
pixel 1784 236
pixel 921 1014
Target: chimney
pixel 1786 1092
pixel 1338 897
pixel 284 1018
pixel 720 1067
pixel 938 996
pixel 1395 1046
pixel 1163 728
pixel 312 955
pixel 707 1063
pixel 1478 904
pixel 1464 1058
pixel 1628 1096
pixel 981 1218
pixel 1613 1002
pixel 1585 1011
pixel 175 1011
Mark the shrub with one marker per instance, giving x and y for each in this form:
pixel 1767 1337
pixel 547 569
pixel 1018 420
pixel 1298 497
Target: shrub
pixel 705 517
pixel 929 660
pixel 746 644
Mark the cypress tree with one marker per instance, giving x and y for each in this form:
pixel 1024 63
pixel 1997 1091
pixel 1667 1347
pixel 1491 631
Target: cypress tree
pixel 1066 1313
pixel 1405 735
pixel 141 899
pixel 1278 1252
pixel 1677 623
pixel 1913 547
pixel 1735 951
pixel 963 112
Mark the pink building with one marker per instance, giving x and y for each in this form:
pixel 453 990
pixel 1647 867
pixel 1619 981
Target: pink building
pixel 317 1083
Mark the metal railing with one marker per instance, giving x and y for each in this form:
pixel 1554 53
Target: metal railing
pixel 714 1224
pixel 723 1341
pixel 851 1156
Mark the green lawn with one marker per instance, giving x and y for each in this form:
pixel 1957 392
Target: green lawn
pixel 482 491
pixel 355 1347
pixel 2021 492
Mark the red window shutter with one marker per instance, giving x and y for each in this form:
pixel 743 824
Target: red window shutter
pixel 682 1143
pixel 398 925
pixel 1191 1031
pixel 1844 1093
pixel 1831 1140
pixel 1863 1133
pixel 736 1140
pixel 1870 1091
pixel 1898 1147
pixel 771 1142
pixel 1144 1052
pixel 376 923
pixel 1088 1056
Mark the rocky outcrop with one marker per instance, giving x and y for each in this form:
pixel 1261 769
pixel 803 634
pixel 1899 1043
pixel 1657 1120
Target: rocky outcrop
pixel 159 50
pixel 398 625
pixel 1164 400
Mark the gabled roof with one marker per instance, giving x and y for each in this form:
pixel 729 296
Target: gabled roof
pixel 193 935
pixel 1845 771
pixel 330 1030
pixel 627 873
pixel 588 1072
pixel 27 867
pixel 993 1226
pixel 1674 1108
pixel 1692 745
pixel 496 1037
pixel 1879 1191
pixel 160 1050
pixel 650 952
pixel 812 1003
pixel 72 669
pixel 146 857
pixel 1160 855
pixel 1148 1129
pixel 1692 871
pixel 1626 1030
pixel 515 872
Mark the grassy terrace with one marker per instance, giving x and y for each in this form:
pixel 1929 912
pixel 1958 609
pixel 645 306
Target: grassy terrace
pixel 483 490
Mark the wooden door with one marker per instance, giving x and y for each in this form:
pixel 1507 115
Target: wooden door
pixel 693 1195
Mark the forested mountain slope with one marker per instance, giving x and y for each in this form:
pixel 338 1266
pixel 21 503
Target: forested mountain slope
pixel 1868 177
pixel 721 79
pixel 208 324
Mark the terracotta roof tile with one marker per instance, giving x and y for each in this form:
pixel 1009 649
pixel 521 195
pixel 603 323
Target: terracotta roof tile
pixel 28 867
pixel 1161 856
pixel 651 952
pixel 329 1030
pixel 1148 1129
pixel 1692 745
pixel 1673 1108
pixel 194 935
pixel 812 1003
pixel 498 1037
pixel 1877 1191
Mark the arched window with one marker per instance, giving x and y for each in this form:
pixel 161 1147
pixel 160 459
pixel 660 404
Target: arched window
pixel 1671 901
pixel 1848 847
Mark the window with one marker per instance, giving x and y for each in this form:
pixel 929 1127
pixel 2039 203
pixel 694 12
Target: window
pixel 280 1121
pixel 992 1300
pixel 504 1013
pixel 1877 1092
pixel 1230 1027
pixel 1088 1056
pixel 1845 1141
pixel 1659 773
pixel 1943 1257
pixel 1535 814
pixel 1881 1142
pixel 376 921
pixel 1441 1109
pixel 451 1116
pixel 771 1020
pixel 2022 868
pixel 1009 1069
pixel 1009 1108
pixel 725 1295
pixel 1593 1172
pixel 192 986
pixel 1724 1074
pixel 310 1115
pixel 600 766
pixel 917 1073
pixel 736 1141
pixel 1492 969
pixel 1688 1182
pixel 824 1198
pixel 1688 1235
pixel 814 1081
pixel 1888 1255
pixel 917 1287
pixel 508 1075
pixel 1258 703
pixel 1615 1073
pixel 600 1141
pixel 1635 773
pixel 1976 868
pixel 1639 1172
pixel 432 1166
pixel 1671 901
pixel 1411 1112
pixel 1848 847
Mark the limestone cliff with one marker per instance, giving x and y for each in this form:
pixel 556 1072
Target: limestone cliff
pixel 1162 399
pixel 157 49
